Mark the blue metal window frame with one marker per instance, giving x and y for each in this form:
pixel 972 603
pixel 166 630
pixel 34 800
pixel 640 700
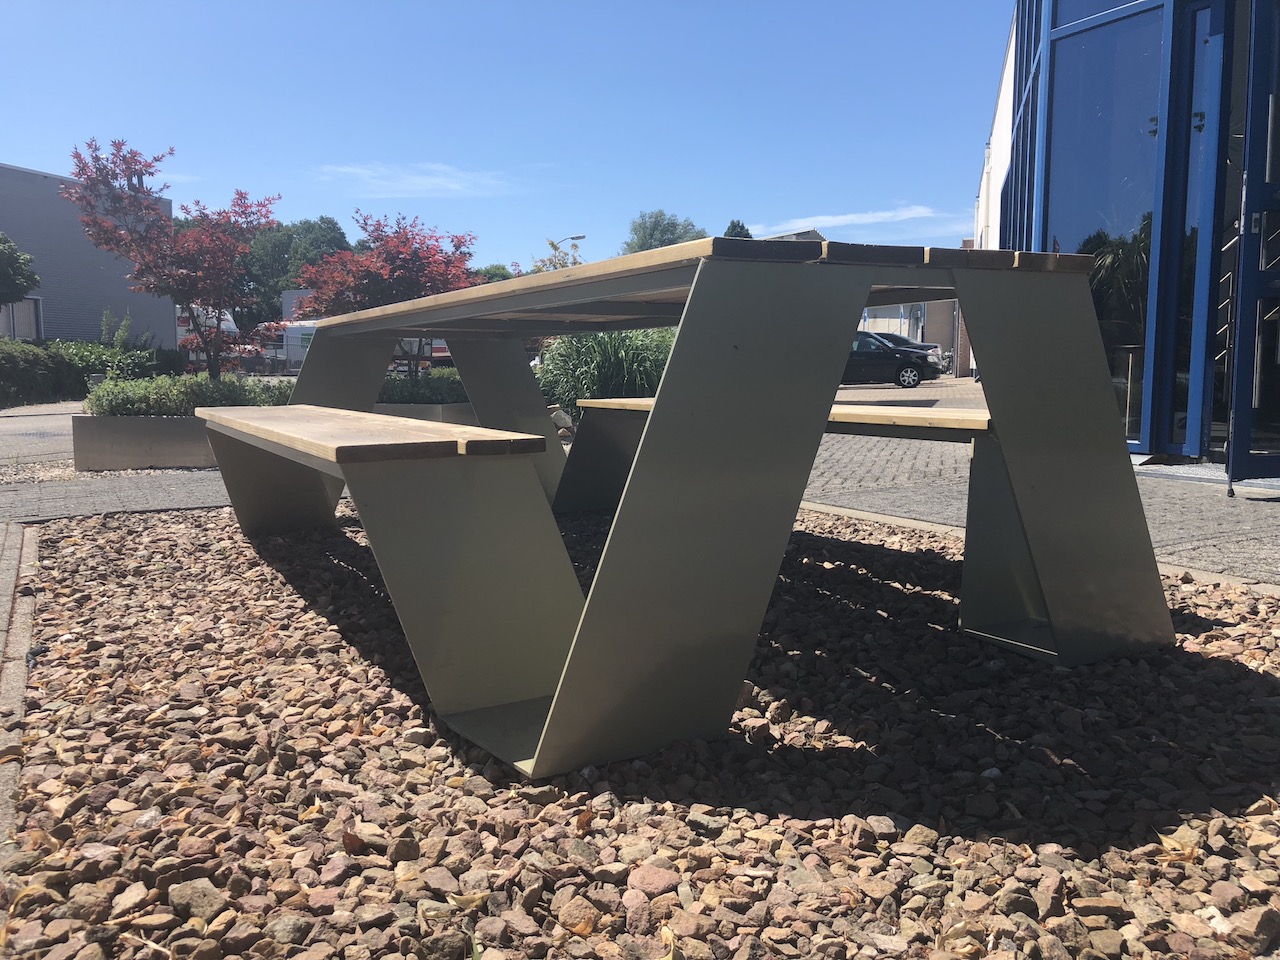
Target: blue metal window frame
pixel 1209 245
pixel 1167 240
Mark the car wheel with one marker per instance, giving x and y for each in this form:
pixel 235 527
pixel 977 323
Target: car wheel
pixel 908 376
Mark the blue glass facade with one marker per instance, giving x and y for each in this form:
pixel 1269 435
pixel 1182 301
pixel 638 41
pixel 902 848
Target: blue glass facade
pixel 1136 127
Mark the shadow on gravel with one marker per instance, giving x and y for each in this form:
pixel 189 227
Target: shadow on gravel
pixel 865 699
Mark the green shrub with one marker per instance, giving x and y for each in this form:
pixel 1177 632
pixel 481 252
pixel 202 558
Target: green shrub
pixel 27 374
pixel 168 396
pixel 439 385
pixel 169 361
pixel 597 365
pixel 120 363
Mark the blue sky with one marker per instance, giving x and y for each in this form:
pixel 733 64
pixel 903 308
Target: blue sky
pixel 522 122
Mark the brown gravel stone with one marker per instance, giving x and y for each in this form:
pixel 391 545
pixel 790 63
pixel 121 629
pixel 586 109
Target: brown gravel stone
pixel 579 916
pixel 653 881
pixel 249 720
pixel 1256 929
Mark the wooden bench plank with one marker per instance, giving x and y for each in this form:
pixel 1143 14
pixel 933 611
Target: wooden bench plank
pixel 644 404
pixel 350 436
pixel 968 420
pixel 932 418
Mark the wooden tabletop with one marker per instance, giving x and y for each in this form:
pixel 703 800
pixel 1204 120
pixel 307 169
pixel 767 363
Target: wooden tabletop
pixel 649 289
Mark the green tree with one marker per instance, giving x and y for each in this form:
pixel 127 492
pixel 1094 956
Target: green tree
pixel 17 278
pixel 278 255
pixel 657 228
pixel 559 258
pixel 495 272
pixel 737 228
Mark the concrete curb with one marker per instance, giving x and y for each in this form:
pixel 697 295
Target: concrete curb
pixel 17 553
pixel 911 524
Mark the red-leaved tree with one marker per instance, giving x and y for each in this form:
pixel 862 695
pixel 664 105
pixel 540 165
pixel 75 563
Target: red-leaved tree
pixel 395 262
pixel 199 263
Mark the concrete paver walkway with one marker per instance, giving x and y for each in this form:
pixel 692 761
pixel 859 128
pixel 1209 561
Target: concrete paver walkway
pixel 1192 521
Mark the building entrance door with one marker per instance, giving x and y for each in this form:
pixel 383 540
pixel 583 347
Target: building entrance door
pixel 1187 232
pixel 1253 439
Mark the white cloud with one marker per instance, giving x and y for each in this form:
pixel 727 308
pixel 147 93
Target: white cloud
pixel 395 181
pixel 911 224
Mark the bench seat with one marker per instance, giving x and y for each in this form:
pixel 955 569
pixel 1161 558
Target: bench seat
pixel 351 436
pixel 285 467
pixel 914 423
pixel 456 518
pixel 609 435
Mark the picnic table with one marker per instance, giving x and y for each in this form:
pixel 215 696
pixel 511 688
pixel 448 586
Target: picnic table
pixel 516 659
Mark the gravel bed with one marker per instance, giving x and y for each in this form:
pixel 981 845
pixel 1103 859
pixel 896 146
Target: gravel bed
pixel 38 471
pixel 55 470
pixel 230 754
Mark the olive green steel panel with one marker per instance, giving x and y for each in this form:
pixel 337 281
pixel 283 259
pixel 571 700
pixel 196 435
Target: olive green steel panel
pixel 343 372
pixel 271 494
pixel 477 571
pixel 603 450
pixel 504 394
pixel 1067 462
pixel 672 617
pixel 1000 595
pixel 510 731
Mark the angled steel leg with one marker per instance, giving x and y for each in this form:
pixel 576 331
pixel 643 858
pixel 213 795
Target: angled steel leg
pixel 482 584
pixel 1070 485
pixel 272 494
pixel 343 372
pixel 1001 599
pixel 672 617
pixel 505 395
pixel 603 451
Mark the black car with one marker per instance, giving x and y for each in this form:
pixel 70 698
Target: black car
pixel 874 359
pixel 898 340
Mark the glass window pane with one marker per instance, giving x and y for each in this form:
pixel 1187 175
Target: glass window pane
pixel 1069 11
pixel 1201 155
pixel 1101 179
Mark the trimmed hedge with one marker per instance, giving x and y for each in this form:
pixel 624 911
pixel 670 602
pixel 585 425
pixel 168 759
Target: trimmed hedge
pixel 598 365
pixel 179 396
pixel 168 396
pixel 29 374
pixel 438 385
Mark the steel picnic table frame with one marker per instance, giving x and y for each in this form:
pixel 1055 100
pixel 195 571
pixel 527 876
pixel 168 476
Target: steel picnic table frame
pixel 657 649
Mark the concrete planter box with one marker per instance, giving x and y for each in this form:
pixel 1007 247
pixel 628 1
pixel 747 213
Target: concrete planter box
pixel 135 443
